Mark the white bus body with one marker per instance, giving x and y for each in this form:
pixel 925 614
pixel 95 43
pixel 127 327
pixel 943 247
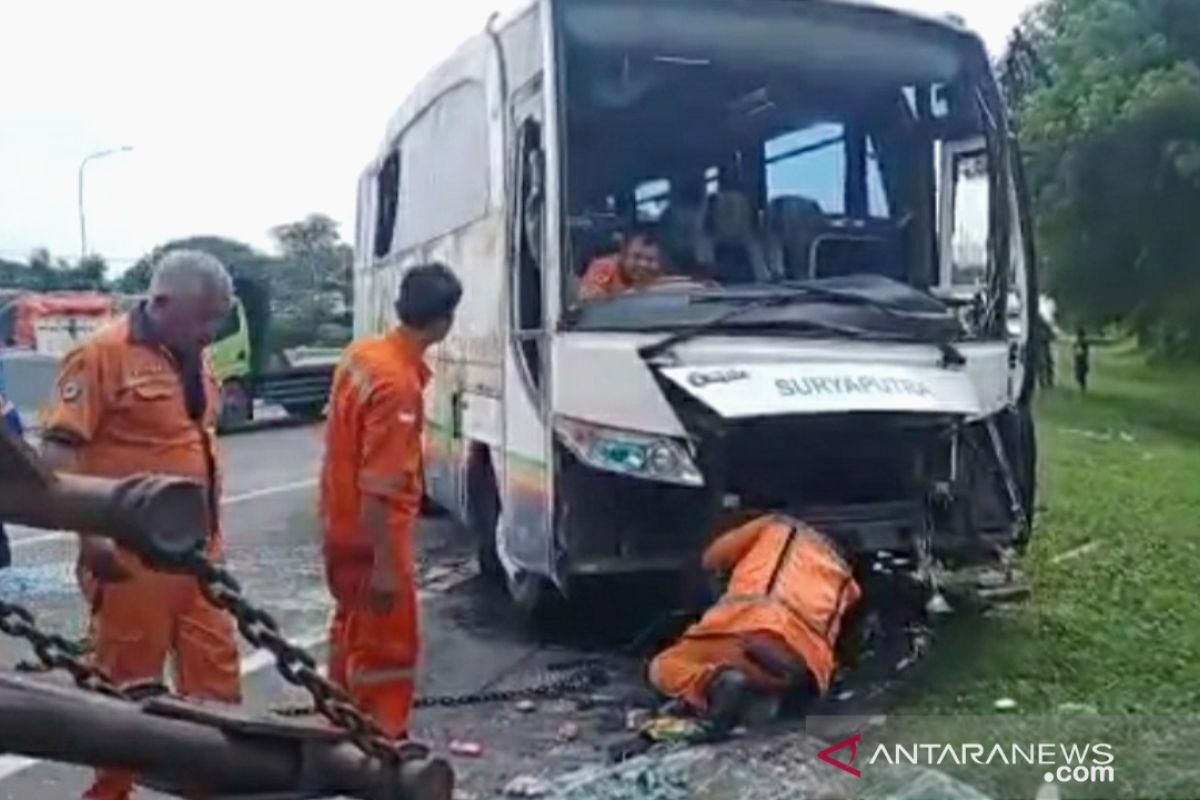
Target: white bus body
pixel 890 408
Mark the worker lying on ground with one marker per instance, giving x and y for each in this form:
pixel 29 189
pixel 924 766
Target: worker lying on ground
pixel 772 632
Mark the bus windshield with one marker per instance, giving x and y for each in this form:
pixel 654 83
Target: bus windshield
pixel 766 143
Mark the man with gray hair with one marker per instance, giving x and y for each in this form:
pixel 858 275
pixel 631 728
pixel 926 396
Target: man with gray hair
pixel 141 396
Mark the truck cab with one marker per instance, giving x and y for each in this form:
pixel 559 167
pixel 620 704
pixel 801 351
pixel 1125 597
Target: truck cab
pixel 248 373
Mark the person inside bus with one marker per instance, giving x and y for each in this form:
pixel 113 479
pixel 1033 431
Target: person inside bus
pixel 638 265
pixel 11 420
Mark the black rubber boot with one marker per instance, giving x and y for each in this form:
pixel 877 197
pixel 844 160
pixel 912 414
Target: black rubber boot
pixel 728 694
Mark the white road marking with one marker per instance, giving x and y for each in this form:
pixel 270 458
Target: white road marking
pixel 267 492
pixel 256 661
pixel 231 500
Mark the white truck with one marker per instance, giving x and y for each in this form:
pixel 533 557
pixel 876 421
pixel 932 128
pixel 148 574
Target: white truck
pixel 843 174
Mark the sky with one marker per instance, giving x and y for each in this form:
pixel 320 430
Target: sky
pixel 242 114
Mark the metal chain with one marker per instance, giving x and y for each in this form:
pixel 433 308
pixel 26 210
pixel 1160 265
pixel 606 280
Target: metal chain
pixel 258 627
pixel 576 682
pixel 295 664
pixel 56 652
pixel 587 674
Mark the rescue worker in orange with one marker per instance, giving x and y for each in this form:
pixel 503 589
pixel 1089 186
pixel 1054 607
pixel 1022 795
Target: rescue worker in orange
pixel 371 490
pixel 637 266
pixel 140 396
pixel 773 631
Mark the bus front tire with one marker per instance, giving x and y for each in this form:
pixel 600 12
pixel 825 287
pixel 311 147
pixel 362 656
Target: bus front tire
pixel 536 599
pixel 483 515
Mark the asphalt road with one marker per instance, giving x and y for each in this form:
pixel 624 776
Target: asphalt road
pixel 471 640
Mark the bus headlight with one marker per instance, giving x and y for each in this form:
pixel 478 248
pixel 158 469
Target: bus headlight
pixel 639 455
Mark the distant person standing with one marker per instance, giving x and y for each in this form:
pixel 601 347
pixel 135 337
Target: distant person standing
pixel 1044 349
pixel 1083 359
pixel 12 421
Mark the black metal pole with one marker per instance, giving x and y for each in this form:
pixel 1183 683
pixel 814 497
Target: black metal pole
pixel 152 515
pixel 161 517
pixel 184 756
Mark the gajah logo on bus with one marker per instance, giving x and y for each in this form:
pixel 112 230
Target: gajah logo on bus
pixel 710 377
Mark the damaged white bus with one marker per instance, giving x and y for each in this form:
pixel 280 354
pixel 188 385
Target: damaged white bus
pixel 843 177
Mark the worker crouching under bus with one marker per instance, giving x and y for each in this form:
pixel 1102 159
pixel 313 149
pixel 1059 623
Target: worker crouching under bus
pixel 772 632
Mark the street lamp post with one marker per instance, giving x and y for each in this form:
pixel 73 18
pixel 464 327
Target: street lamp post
pixel 83 250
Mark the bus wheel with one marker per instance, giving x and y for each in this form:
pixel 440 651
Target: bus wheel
pixel 236 406
pixel 536 599
pixel 483 514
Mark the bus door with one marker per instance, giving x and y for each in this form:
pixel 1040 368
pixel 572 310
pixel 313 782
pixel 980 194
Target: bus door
pixel 525 536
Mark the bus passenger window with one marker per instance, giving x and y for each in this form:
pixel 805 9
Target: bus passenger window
pixel 652 199
pixel 388 196
pixel 971 218
pixel 809 163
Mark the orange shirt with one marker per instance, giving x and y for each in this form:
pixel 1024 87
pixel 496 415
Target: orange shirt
pixel 120 400
pixel 604 278
pixel 373 446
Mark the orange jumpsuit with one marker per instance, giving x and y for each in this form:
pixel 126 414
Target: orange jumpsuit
pixel 789 592
pixel 123 402
pixel 373 447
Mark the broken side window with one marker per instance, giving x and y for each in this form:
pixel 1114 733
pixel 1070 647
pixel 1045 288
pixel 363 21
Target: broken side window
pixel 387 188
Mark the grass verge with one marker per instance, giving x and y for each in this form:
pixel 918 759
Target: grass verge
pixel 1113 624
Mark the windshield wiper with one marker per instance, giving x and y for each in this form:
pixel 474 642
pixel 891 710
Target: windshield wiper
pixel 951 356
pixel 841 295
pixel 656 349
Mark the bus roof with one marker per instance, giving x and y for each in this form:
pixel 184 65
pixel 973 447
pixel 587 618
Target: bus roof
pixel 469 60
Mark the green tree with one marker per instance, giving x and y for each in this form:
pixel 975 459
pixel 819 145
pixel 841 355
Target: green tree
pixel 316 261
pixel 13 274
pixel 89 274
pixel 41 271
pixel 303 282
pixel 44 273
pixel 1111 134
pixel 240 259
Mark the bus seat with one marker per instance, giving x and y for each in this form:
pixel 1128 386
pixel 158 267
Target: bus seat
pixel 737 255
pixel 685 246
pixel 793 222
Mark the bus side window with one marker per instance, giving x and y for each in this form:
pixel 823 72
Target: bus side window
pixel 388 191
